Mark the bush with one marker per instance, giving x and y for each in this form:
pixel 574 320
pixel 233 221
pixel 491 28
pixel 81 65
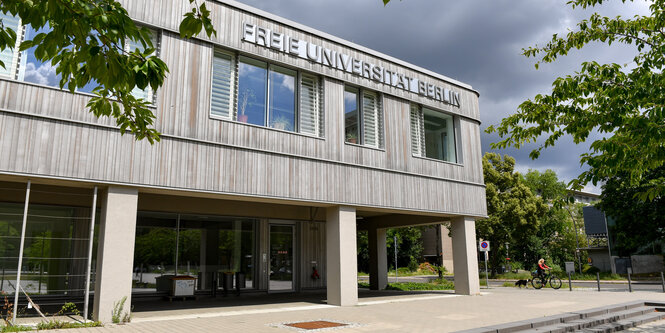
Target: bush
pixel 588 269
pixel 413 286
pixel 427 268
pixel 403 271
pixel 413 265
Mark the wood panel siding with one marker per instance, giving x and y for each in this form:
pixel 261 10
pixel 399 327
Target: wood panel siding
pixel 312 245
pixel 62 149
pixel 48 132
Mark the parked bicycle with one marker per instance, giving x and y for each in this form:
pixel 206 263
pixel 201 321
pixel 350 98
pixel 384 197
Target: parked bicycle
pixel 540 281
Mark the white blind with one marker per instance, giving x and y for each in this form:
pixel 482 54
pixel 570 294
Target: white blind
pixel 372 122
pixel 310 105
pixel 10 56
pixel 132 45
pixel 416 130
pixel 222 85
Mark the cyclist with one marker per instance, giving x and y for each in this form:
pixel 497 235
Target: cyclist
pixel 542 268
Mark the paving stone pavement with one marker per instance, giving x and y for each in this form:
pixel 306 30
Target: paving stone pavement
pixel 385 312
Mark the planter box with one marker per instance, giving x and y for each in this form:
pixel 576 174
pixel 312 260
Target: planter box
pixel 183 285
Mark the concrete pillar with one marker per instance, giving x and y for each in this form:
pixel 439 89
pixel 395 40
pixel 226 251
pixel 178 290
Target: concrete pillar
pixel 341 256
pixel 465 261
pixel 447 249
pixel 378 259
pixel 115 252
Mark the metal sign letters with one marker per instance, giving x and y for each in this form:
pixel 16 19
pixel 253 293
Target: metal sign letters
pixel 343 62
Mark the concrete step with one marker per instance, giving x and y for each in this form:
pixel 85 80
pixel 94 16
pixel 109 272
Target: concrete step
pixel 611 317
pixel 604 319
pixel 626 323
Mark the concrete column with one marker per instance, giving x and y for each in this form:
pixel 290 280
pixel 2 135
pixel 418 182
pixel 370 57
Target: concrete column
pixel 341 256
pixel 447 249
pixel 115 252
pixel 378 259
pixel 465 261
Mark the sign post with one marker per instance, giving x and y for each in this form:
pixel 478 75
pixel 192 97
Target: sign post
pixel 484 246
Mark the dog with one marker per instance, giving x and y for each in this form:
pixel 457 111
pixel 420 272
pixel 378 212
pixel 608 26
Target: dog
pixel 521 283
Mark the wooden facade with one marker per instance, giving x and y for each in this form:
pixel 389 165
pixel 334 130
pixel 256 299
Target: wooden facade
pixel 46 132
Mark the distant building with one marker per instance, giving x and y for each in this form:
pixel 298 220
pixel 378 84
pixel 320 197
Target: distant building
pixel 586 198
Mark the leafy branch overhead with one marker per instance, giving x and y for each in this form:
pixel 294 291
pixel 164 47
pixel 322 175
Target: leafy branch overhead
pixel 623 102
pixel 85 41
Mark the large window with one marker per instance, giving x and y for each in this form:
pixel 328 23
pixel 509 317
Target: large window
pixel 432 134
pixel 265 94
pixel 363 117
pixel 24 66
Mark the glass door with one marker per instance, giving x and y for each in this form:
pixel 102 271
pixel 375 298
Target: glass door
pixel 281 258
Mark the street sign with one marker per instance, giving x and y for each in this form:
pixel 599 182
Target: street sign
pixel 484 246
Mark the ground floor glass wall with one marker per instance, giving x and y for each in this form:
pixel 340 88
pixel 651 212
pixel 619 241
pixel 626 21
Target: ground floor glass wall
pixel 214 250
pixel 55 252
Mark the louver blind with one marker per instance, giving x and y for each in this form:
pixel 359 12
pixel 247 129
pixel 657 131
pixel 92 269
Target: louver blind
pixel 10 56
pixel 222 85
pixel 372 121
pixel 310 105
pixel 416 130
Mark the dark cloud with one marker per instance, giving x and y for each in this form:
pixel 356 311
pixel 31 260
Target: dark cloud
pixel 478 42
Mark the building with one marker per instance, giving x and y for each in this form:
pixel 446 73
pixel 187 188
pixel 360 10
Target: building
pixel 587 198
pixel 278 143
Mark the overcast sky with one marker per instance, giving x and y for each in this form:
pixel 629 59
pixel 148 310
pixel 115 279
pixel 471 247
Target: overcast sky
pixel 478 42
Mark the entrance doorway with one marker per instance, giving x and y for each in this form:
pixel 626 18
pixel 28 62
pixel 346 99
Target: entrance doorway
pixel 282 239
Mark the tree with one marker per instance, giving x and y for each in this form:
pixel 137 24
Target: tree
pixel 409 248
pixel 85 43
pixel 545 184
pixel 556 236
pixel 637 222
pixel 624 103
pixel 515 213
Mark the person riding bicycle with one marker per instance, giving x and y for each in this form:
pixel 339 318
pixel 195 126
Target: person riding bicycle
pixel 542 268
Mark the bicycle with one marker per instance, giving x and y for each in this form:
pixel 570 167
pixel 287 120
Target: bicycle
pixel 540 281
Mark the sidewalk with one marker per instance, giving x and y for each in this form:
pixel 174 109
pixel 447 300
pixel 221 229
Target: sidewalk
pixel 383 312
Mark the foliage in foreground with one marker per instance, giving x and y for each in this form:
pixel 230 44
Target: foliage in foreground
pixel 639 225
pixel 624 103
pixel 85 41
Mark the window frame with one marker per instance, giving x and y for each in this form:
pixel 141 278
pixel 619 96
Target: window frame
pixel 421 145
pixel 379 114
pixel 317 109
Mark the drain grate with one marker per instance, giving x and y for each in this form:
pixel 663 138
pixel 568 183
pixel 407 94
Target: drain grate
pixel 315 325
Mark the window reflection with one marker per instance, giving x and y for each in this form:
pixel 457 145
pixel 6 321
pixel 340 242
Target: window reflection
pixel 34 70
pixel 282 99
pixel 252 81
pixel 351 115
